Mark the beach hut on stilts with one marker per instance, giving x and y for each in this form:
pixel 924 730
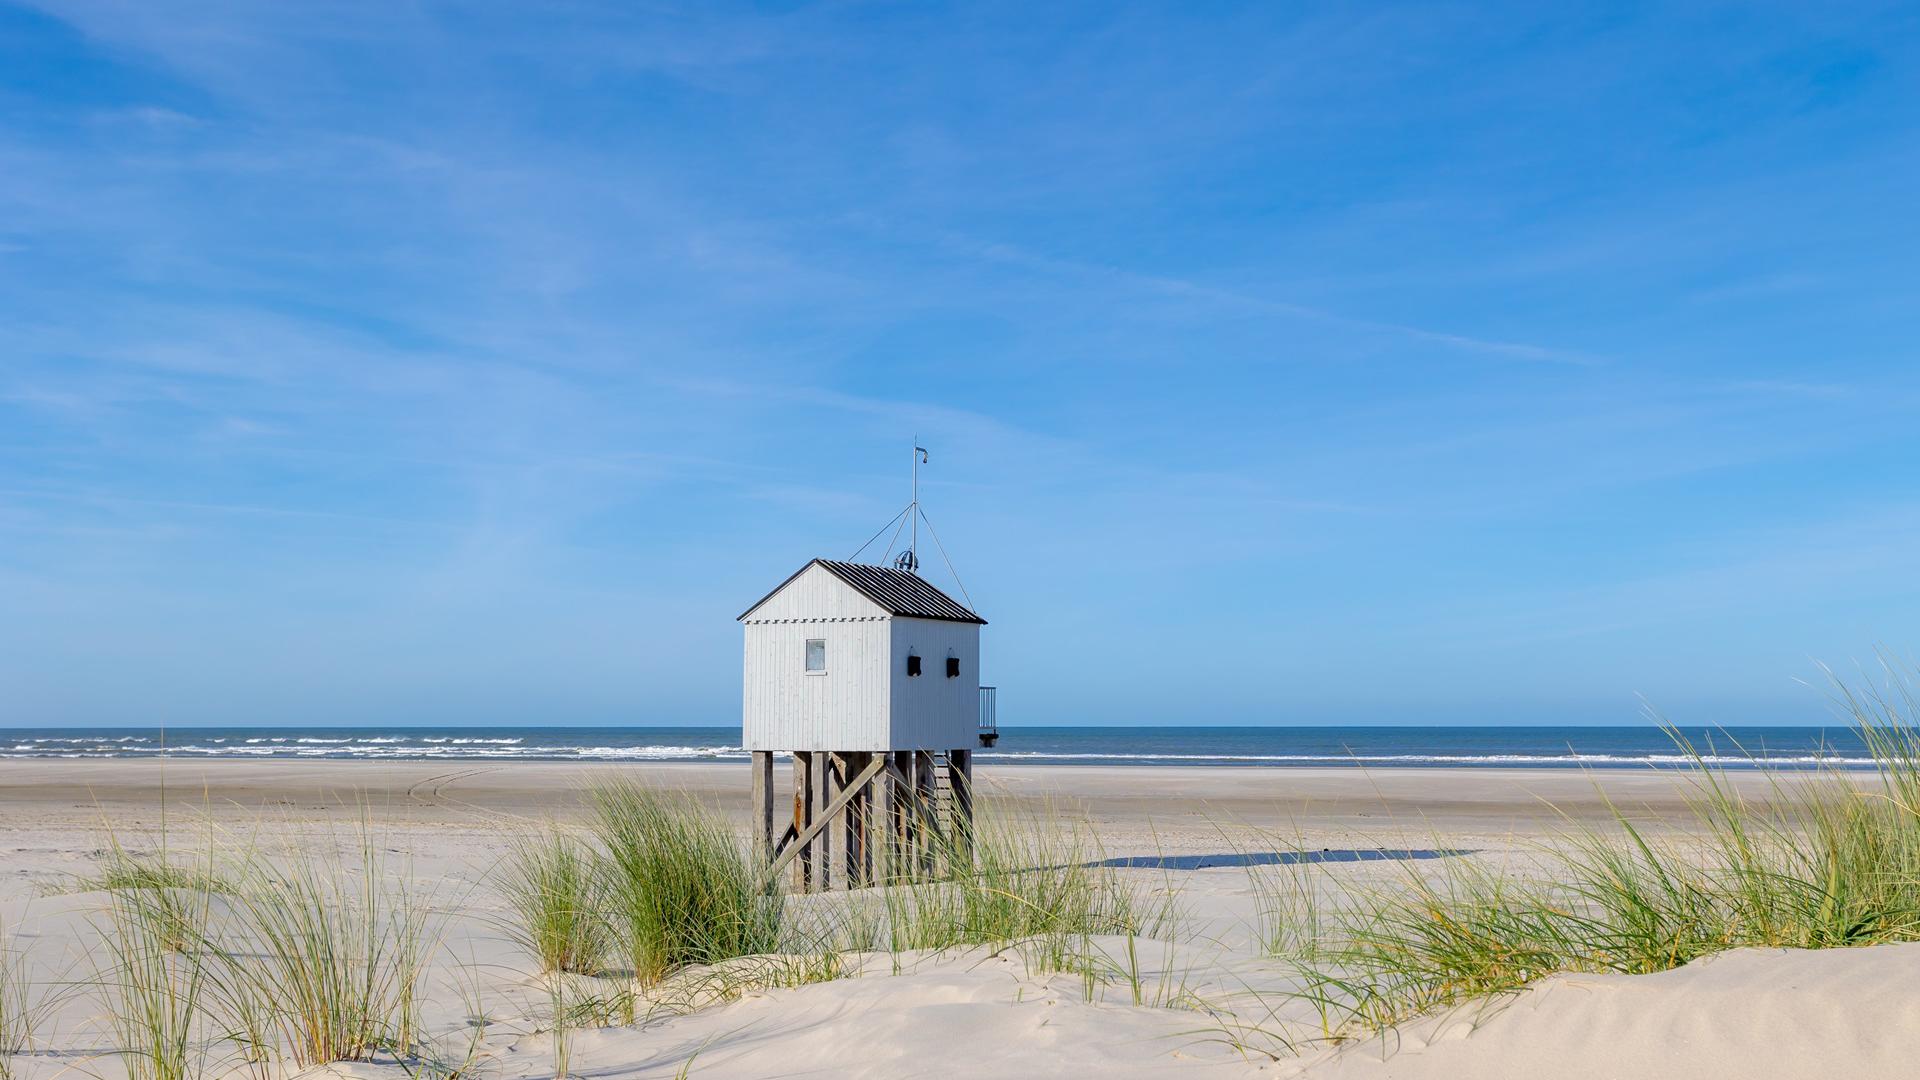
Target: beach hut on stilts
pixel 868 677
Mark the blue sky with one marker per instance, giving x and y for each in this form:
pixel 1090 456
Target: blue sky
pixel 1293 363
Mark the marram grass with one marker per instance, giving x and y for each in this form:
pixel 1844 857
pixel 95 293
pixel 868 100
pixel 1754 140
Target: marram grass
pixel 1040 877
pixel 555 884
pixel 321 959
pixel 155 982
pixel 263 971
pixel 1826 859
pixel 681 888
pixel 25 1003
pixel 328 955
pixel 671 888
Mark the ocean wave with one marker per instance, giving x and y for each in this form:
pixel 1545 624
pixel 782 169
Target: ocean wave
pixel 392 749
pixel 1807 748
pixel 662 753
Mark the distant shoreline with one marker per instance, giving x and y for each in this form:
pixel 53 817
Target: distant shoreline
pixel 1148 801
pixel 1289 747
pixel 1360 765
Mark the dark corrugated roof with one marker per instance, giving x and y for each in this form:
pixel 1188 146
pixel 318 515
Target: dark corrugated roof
pixel 899 592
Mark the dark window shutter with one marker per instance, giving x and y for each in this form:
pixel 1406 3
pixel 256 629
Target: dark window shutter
pixel 913 663
pixel 953 667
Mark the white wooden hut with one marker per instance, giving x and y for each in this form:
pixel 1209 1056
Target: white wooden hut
pixel 869 677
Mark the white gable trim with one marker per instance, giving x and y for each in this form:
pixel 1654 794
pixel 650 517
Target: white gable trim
pixel 816 594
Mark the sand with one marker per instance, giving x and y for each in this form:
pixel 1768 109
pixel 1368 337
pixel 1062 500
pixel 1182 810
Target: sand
pixel 1749 1014
pixel 1739 1015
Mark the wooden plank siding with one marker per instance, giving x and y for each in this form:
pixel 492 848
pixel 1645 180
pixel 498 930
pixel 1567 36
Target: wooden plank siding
pixel 933 712
pixel 865 701
pixel 785 708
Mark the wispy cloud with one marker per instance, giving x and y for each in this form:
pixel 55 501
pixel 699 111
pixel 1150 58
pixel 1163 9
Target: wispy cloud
pixel 1172 286
pixel 1281 335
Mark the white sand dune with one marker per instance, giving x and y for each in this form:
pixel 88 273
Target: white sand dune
pixel 1746 1015
pixel 1751 1015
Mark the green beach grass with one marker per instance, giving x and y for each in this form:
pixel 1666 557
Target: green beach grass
pixel 269 963
pixel 1829 859
pixel 679 886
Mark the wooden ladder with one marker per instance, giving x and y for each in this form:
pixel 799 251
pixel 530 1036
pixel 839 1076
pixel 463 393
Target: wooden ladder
pixel 942 792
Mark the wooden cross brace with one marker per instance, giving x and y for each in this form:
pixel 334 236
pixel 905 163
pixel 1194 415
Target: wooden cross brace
pixel 793 843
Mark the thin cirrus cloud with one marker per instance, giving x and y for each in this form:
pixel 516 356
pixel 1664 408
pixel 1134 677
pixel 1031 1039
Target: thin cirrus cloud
pixel 430 341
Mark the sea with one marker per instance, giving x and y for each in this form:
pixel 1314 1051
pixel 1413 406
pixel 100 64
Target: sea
pixel 1270 747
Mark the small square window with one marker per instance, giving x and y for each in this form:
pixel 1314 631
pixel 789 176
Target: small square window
pixel 953 667
pixel 816 656
pixel 913 664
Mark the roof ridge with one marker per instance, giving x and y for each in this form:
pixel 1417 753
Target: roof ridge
pixel 898 592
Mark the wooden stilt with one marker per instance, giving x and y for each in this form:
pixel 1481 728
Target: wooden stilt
pixel 899 815
pixel 916 819
pixel 839 778
pixel 833 837
pixel 904 762
pixel 879 817
pixel 873 814
pixel 822 853
pixel 855 840
pixel 762 805
pixel 893 821
pixel 803 814
pixel 960 782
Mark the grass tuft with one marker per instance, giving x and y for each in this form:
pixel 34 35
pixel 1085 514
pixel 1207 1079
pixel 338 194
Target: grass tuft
pixel 18 1017
pixel 1826 859
pixel 319 959
pixel 555 885
pixel 1039 878
pixel 154 987
pixel 682 889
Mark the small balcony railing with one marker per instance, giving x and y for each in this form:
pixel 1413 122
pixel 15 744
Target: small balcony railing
pixel 989 715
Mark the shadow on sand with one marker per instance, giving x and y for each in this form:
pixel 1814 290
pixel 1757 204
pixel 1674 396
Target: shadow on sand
pixel 1279 858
